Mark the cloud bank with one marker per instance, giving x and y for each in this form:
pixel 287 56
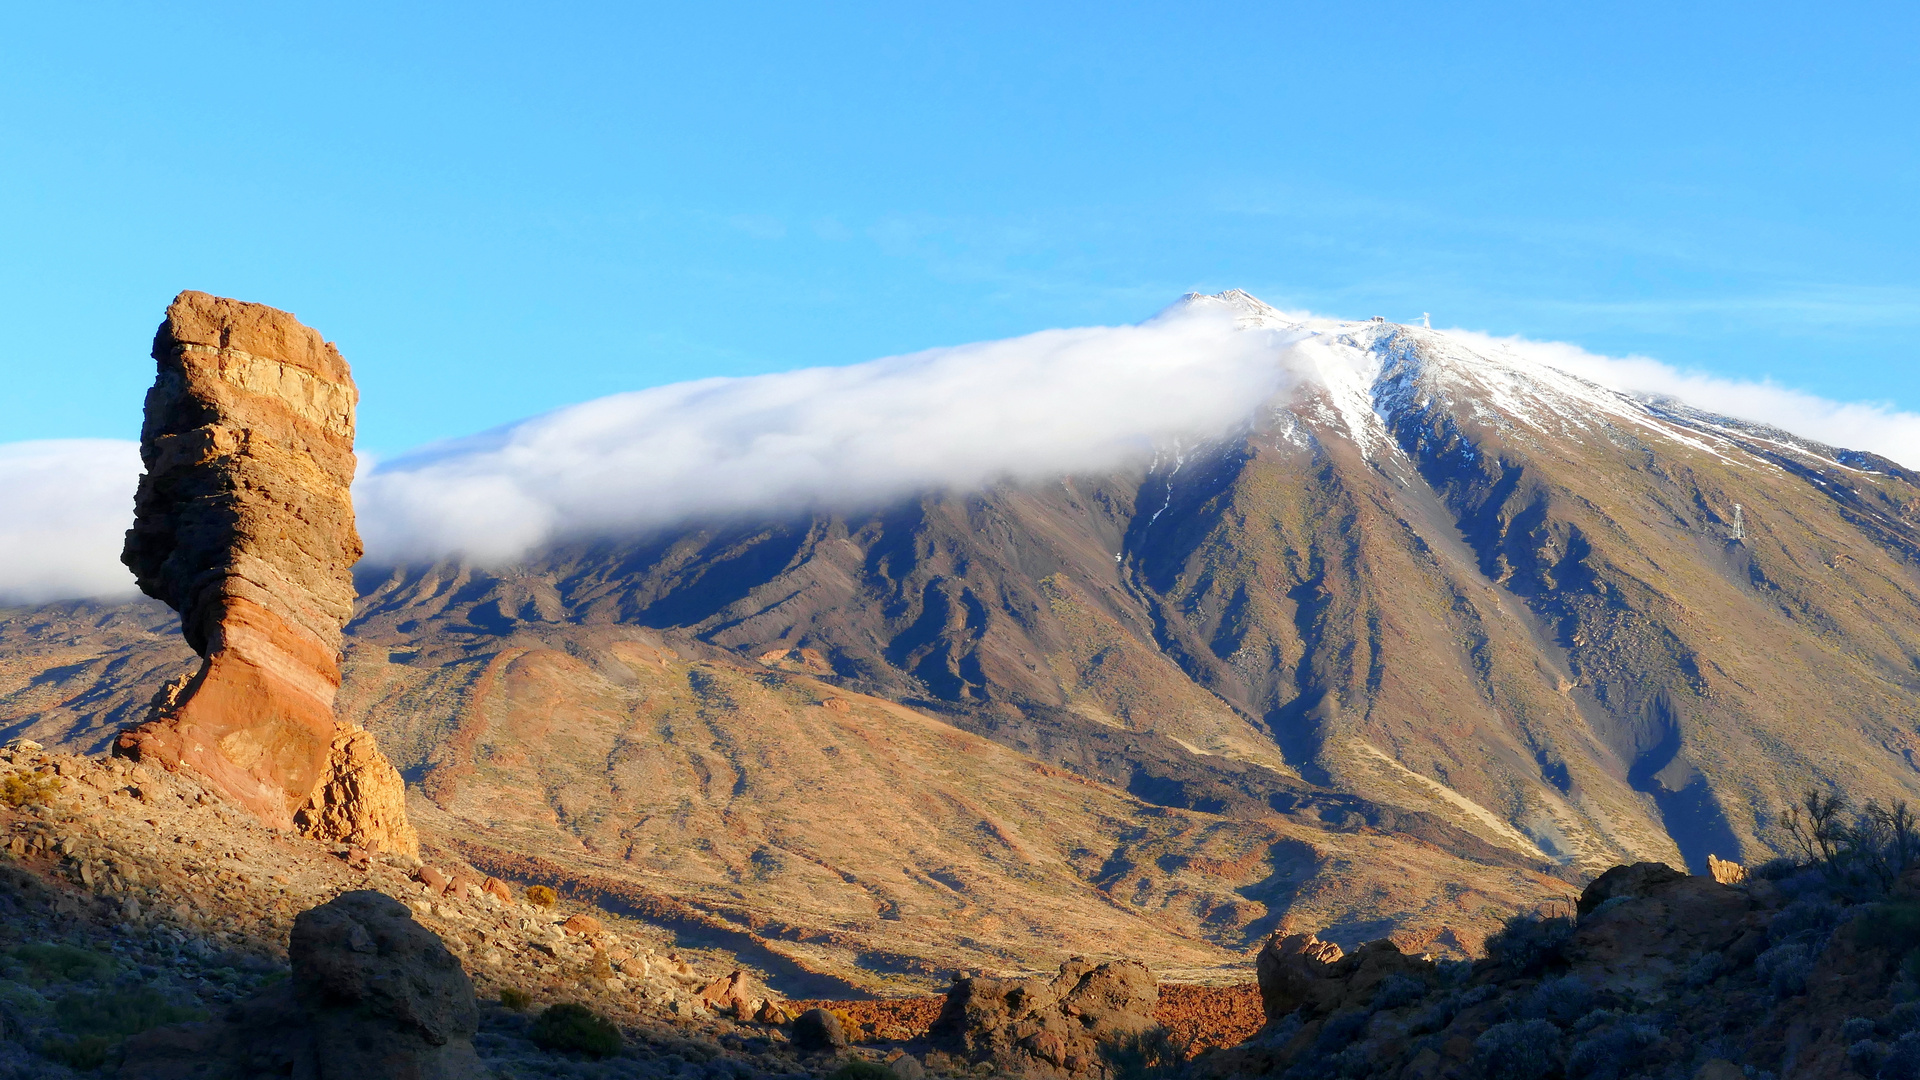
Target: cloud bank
pixel 1025 408
pixel 65 507
pixel 1041 405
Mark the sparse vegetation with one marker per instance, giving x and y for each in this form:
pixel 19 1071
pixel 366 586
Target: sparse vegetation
pixel 577 1028
pixel 541 896
pixel 1871 848
pixel 1530 941
pixel 861 1069
pixel 30 789
pixel 1519 1050
pixel 516 999
pixel 122 1012
pixel 50 962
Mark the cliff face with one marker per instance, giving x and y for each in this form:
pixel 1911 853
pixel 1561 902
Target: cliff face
pixel 244 525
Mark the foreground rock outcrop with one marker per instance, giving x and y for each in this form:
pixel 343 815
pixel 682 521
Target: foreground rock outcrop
pixel 373 993
pixel 244 525
pixel 1064 1025
pixel 1800 971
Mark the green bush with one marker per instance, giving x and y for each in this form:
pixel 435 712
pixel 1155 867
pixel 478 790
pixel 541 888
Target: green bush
pixel 862 1069
pixel 44 962
pixel 82 1052
pixel 1893 928
pixel 119 1013
pixel 575 1027
pixel 517 1000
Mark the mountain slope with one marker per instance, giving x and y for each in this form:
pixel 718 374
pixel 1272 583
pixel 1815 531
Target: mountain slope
pixel 1441 620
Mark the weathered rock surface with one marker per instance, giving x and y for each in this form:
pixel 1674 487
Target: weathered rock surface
pixel 383 994
pixel 1045 1026
pixel 373 994
pixel 244 525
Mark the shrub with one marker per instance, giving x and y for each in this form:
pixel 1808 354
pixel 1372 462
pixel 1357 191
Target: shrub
pixel 1437 1014
pixel 1519 1050
pixel 30 789
pixel 1856 1028
pixel 1902 1061
pixel 1893 928
pixel 66 962
pixel 541 896
pixel 1530 941
pixel 1865 1056
pixel 1808 919
pixel 1560 1001
pixel 515 998
pixel 1616 1048
pixel 119 1013
pixel 575 1027
pixel 1785 968
pixel 1148 1055
pixel 1396 990
pixel 1340 1029
pixel 1704 969
pixel 83 1052
pixel 862 1069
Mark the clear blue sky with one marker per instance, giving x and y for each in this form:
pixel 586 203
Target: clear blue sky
pixel 495 210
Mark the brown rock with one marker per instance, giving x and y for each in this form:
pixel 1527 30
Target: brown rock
pixel 734 994
pixel 433 878
pixel 244 525
pixel 497 888
pixel 1290 969
pixel 1725 872
pixel 363 800
pixel 373 994
pixel 1043 1025
pixel 584 925
pixel 1626 881
pixel 818 1031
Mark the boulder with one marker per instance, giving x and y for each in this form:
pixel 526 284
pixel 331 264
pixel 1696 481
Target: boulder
pixel 244 525
pixel 373 994
pixel 1048 1026
pixel 583 925
pixel 1300 970
pixel 818 1031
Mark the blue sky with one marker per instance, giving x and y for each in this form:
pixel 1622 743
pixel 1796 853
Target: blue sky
pixel 498 210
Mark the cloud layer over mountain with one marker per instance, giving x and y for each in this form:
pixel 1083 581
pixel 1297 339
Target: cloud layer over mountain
pixel 65 507
pixel 1049 403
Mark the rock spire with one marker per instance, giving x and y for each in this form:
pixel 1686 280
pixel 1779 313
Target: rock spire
pixel 243 523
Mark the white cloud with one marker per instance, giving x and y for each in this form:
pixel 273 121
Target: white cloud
pixel 65 507
pixel 1040 405
pixel 1024 408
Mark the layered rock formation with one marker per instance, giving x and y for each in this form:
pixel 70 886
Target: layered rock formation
pixel 244 525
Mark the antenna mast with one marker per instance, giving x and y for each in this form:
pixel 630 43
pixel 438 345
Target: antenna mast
pixel 1426 322
pixel 1738 533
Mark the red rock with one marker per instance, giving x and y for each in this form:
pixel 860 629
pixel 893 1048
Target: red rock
pixel 584 925
pixel 498 888
pixel 434 879
pixel 244 525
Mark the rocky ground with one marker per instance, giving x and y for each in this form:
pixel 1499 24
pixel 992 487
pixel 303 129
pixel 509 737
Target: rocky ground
pixel 134 899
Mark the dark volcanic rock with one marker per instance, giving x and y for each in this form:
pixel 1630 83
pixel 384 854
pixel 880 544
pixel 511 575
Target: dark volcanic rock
pixel 1048 1026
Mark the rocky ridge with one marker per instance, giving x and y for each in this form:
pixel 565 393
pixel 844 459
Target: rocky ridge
pixel 244 525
